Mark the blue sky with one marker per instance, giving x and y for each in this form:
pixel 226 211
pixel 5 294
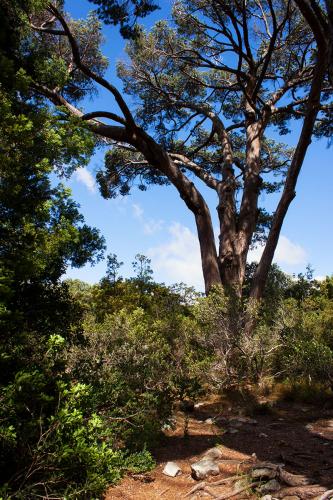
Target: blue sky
pixel 157 223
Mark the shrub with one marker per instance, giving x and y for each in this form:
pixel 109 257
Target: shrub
pixel 236 357
pixel 307 359
pixel 138 366
pixel 53 439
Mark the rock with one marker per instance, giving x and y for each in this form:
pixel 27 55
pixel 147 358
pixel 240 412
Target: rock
pixel 171 469
pixel 303 492
pixel 209 421
pixel 266 497
pixel 293 479
pixel 263 472
pixel 213 454
pixel 187 405
pixel 263 435
pixel 198 405
pixel 241 483
pixel 291 497
pixel 270 487
pixel 233 431
pixel 243 420
pixel 204 468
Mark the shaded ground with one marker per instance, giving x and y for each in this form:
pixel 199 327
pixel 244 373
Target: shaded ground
pixel 299 436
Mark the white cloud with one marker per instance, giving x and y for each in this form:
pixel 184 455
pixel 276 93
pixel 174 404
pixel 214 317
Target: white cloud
pixel 137 211
pixel 150 226
pixel 85 177
pixel 179 258
pixel 287 252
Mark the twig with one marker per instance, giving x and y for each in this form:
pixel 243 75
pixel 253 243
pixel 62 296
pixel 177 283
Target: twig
pixel 164 491
pixel 210 492
pixel 225 480
pixel 197 487
pixel 249 486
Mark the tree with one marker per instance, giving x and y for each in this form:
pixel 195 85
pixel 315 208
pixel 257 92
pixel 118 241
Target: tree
pixel 125 13
pixel 319 16
pixel 225 74
pixel 113 266
pixel 142 269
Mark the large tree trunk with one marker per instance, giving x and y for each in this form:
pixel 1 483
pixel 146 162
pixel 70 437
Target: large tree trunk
pixel 236 235
pixel 208 252
pixel 158 157
pixel 260 276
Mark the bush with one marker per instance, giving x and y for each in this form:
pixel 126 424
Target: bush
pixel 307 359
pixel 139 367
pixel 54 440
pixel 236 356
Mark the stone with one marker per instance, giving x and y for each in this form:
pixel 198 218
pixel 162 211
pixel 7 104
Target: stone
pixel 204 468
pixel 263 472
pixel 243 420
pixel 209 421
pixel 241 483
pixel 270 487
pixel 187 405
pixel 291 497
pixel 171 469
pixel 198 405
pixel 233 431
pixel 263 435
pixel 212 454
pixel 266 497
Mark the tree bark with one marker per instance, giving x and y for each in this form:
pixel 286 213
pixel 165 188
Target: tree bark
pixel 160 159
pixel 260 276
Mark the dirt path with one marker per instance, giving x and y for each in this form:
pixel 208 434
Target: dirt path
pixel 299 436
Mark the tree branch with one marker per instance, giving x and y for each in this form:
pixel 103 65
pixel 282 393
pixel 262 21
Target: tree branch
pixel 91 74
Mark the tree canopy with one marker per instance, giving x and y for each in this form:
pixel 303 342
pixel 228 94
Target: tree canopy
pixel 210 87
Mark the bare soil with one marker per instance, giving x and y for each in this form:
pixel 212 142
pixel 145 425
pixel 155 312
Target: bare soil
pixel 299 436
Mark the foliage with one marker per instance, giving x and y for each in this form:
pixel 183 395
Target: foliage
pixel 67 448
pixel 123 358
pixel 209 88
pixel 237 356
pixel 125 13
pixel 52 442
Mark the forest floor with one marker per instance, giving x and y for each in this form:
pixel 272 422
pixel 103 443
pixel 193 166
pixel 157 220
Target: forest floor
pixel 299 436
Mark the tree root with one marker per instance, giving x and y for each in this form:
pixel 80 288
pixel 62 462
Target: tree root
pixel 328 494
pixel 203 486
pixel 240 490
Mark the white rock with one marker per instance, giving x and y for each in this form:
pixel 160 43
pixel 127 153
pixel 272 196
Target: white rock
pixel 204 468
pixel 263 435
pixel 213 454
pixel 266 497
pixel 209 421
pixel 171 469
pixel 198 405
pixel 263 472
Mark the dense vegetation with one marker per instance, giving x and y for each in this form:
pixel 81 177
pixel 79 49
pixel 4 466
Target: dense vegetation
pixel 82 399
